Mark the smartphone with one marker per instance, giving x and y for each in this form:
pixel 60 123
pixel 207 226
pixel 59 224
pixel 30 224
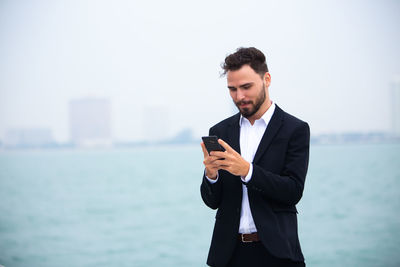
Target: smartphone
pixel 211 143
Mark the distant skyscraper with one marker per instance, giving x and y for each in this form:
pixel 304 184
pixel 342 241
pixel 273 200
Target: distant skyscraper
pixel 90 122
pixel 395 106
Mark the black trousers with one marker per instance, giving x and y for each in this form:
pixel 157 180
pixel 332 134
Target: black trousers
pixel 254 254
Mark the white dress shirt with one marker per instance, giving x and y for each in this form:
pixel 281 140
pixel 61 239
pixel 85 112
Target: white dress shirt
pixel 250 137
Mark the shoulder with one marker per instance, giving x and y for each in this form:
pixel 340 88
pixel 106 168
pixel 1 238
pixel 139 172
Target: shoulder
pixel 227 122
pixel 290 120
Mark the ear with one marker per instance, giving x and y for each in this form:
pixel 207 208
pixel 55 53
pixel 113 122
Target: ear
pixel 267 79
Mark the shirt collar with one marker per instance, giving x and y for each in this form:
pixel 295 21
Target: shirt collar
pixel 266 117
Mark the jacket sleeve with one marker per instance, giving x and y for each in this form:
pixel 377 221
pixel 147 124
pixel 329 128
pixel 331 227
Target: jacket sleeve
pixel 287 187
pixel 211 192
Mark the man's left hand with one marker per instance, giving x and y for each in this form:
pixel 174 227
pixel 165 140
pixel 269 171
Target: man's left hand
pixel 231 161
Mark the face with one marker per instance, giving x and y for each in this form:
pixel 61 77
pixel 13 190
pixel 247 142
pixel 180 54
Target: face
pixel 249 91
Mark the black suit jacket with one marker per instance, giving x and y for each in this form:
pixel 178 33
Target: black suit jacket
pixel 279 171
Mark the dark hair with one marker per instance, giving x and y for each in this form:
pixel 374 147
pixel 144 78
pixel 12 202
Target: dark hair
pixel 246 56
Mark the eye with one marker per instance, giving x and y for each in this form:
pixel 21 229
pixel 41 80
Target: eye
pixel 232 89
pixel 247 86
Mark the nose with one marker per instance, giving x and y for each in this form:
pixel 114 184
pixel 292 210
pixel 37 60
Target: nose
pixel 240 94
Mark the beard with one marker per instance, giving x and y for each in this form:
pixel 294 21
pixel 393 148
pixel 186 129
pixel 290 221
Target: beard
pixel 254 106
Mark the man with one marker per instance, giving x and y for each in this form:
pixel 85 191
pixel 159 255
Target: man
pixel 259 178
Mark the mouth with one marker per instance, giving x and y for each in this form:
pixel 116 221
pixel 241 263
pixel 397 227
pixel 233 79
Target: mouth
pixel 244 104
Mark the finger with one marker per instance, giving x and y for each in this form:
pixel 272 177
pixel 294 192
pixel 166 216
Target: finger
pixel 213 161
pixel 225 145
pixel 221 163
pixel 210 166
pixel 218 154
pixel 205 152
pixel 210 160
pixel 224 168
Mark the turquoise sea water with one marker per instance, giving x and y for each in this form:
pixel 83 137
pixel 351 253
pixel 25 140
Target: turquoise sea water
pixel 142 207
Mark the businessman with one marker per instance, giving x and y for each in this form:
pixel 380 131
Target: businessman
pixel 257 181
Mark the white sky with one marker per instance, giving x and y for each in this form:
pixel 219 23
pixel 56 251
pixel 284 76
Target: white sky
pixel 331 62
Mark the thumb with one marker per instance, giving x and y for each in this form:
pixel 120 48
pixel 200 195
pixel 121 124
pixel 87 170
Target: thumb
pixel 205 152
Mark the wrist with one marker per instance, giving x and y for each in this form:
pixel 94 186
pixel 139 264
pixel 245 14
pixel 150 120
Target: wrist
pixel 212 176
pixel 246 169
pixel 249 174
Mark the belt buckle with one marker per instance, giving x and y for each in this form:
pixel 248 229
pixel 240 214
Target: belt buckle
pixel 244 241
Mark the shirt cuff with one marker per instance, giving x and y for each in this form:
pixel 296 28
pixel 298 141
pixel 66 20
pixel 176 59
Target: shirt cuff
pixel 213 181
pixel 247 178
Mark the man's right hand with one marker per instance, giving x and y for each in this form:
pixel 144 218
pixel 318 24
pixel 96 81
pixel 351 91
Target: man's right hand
pixel 209 163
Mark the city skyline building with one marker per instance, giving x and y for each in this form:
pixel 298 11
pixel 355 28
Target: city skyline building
pixel 28 137
pixel 90 122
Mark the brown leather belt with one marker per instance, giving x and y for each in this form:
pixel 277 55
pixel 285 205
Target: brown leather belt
pixel 246 238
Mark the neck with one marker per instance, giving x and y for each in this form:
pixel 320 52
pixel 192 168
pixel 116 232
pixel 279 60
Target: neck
pixel 264 107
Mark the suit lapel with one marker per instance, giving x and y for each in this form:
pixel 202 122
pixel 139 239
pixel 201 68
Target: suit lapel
pixel 272 129
pixel 234 133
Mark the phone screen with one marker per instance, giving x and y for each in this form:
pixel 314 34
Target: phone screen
pixel 211 143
